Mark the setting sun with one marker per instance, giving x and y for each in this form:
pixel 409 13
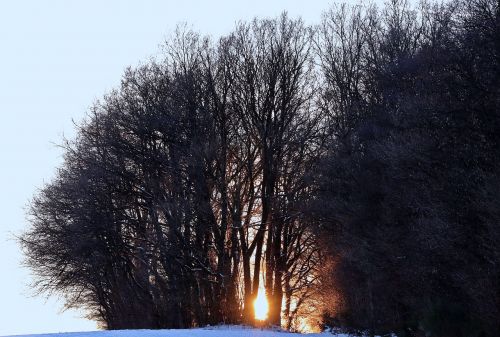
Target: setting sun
pixel 261 306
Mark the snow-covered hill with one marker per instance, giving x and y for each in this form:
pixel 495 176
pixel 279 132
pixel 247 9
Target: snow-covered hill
pixel 236 331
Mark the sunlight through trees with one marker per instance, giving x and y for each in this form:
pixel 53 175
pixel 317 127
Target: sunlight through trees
pixel 352 165
pixel 261 306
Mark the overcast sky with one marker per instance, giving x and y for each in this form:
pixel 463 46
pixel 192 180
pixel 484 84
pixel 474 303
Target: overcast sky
pixel 56 58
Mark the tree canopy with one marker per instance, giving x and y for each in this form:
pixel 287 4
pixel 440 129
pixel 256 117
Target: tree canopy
pixel 349 170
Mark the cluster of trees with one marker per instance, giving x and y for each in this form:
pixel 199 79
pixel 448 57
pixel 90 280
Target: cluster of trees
pixel 180 195
pixel 347 169
pixel 408 192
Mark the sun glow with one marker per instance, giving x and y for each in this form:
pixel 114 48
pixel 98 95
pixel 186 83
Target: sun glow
pixel 261 306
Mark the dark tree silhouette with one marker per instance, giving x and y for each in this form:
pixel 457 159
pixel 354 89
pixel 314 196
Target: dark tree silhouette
pixel 349 170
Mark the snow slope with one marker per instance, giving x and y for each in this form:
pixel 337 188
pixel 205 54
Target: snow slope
pixel 236 331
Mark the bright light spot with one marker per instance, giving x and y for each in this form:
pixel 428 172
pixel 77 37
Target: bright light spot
pixel 261 306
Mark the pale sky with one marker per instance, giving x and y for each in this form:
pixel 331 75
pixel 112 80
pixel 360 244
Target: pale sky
pixel 56 58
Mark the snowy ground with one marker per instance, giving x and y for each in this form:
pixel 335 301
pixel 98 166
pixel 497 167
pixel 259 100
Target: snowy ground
pixel 236 331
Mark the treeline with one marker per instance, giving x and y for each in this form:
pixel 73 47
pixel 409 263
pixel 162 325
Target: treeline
pixel 408 194
pixel 348 169
pixel 184 185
